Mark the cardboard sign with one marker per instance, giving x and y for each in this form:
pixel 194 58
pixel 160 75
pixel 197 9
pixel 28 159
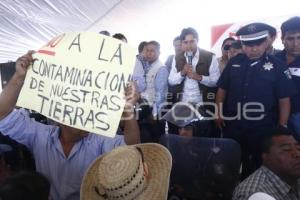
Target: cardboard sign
pixel 78 79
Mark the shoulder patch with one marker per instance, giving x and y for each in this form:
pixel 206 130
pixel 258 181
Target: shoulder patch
pixel 288 74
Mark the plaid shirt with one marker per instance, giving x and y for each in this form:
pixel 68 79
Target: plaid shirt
pixel 264 180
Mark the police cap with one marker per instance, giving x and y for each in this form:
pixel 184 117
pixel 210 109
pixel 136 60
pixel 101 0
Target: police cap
pixel 254 33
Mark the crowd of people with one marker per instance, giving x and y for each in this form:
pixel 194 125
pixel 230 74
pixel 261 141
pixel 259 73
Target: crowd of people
pixel 251 94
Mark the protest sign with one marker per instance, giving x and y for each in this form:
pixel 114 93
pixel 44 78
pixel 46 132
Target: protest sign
pixel 78 79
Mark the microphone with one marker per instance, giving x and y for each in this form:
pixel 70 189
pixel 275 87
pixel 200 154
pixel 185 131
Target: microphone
pixel 190 57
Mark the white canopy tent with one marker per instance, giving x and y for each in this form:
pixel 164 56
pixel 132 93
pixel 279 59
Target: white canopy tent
pixel 29 24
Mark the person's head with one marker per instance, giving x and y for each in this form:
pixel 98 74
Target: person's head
pixel 235 49
pixel 25 185
pixel 129 172
pixel 177 45
pixel 185 117
pixel 120 36
pixel 281 153
pixel 254 39
pixel 141 46
pixel 271 37
pixel 152 51
pixel 189 39
pixel 226 45
pixel 290 36
pixel 186 131
pixel 105 32
pixel 75 133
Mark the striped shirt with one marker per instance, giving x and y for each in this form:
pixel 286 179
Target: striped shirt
pixel 264 180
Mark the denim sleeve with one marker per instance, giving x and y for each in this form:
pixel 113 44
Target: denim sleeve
pixel 138 75
pixel 161 87
pixel 20 127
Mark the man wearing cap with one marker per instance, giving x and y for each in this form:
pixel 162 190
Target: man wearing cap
pixel 290 37
pixel 254 93
pixel 61 153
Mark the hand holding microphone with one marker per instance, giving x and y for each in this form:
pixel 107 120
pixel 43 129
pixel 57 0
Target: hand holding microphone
pixel 190 57
pixel 188 68
pixel 189 72
pixel 189 62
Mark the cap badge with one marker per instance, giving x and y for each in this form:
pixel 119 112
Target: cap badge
pixel 251 28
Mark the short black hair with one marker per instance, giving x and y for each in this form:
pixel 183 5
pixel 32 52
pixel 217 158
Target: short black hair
pixel 272 31
pixel 176 39
pixel 227 39
pixel 188 31
pixel 236 45
pixel 120 36
pixel 155 43
pixel 25 185
pixel 292 24
pixel 275 132
pixel 141 46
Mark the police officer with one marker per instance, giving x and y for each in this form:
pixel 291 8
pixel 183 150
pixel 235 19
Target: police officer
pixel 290 36
pixel 253 94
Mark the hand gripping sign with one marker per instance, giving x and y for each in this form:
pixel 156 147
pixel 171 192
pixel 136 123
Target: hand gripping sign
pixel 78 79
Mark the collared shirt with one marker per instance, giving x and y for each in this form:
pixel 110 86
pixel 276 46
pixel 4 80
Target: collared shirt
pixel 161 88
pixel 191 92
pixel 294 68
pixel 64 173
pixel 195 95
pixel 258 84
pixel 160 82
pixel 264 180
pixel 139 73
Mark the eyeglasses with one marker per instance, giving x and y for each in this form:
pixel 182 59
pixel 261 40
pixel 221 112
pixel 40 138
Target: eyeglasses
pixel 226 47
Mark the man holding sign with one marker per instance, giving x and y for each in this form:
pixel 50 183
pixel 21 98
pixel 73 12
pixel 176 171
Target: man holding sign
pixel 62 153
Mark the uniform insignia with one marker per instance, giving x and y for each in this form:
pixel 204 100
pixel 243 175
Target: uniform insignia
pixel 295 71
pixel 251 28
pixel 252 64
pixel 236 65
pixel 268 66
pixel 288 74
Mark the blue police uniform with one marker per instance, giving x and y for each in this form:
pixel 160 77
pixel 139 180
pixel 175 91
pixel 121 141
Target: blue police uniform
pixel 263 81
pixel 253 84
pixel 295 100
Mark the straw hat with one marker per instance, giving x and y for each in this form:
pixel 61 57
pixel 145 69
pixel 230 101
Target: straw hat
pixel 121 174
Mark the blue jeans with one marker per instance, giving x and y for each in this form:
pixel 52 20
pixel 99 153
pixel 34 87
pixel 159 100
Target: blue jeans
pixel 294 124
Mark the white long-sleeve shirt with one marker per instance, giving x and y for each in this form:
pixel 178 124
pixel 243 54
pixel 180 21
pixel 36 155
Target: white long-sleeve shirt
pixel 191 92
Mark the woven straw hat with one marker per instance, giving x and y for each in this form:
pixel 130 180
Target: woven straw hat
pixel 121 174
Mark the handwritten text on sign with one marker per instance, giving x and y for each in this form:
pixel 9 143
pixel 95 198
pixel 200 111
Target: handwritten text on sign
pixel 78 79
